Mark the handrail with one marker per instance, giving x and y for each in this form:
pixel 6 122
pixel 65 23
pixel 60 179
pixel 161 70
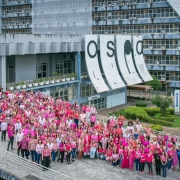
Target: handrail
pixel 8 157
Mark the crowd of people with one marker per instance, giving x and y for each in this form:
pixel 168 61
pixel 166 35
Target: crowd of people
pixel 49 131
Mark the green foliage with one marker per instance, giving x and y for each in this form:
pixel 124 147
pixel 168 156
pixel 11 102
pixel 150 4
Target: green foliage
pixel 177 122
pixel 163 102
pixel 152 111
pixel 157 127
pixel 161 122
pixel 136 112
pixel 155 83
pixel 141 104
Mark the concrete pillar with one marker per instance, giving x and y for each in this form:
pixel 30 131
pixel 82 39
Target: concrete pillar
pixel 3 72
pixel 78 70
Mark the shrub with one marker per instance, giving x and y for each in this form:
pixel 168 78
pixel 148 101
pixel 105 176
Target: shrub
pixel 152 111
pixel 157 127
pixel 141 104
pixel 161 122
pixel 170 111
pixel 136 112
pixel 170 118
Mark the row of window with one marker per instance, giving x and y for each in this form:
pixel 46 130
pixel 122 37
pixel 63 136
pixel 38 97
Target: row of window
pixel 16 31
pixel 124 1
pixel 17 9
pixel 145 13
pixel 17 21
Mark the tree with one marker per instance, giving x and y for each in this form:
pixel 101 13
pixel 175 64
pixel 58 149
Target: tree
pixel 163 102
pixel 155 83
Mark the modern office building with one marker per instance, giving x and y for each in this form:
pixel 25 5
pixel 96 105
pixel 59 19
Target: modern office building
pixel 42 38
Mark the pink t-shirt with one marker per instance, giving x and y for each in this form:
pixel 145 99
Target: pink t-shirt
pixel 149 157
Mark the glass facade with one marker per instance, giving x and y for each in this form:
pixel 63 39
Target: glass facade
pixel 61 17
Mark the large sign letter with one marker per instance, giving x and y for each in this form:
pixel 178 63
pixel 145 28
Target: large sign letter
pixel 108 62
pixel 93 65
pixel 139 60
pixel 125 61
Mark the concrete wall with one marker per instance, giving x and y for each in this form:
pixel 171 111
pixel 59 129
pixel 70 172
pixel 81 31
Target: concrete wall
pixel 116 100
pixel 25 67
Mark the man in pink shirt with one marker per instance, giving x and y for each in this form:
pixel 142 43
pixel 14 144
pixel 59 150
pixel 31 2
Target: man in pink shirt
pixel 11 138
pixel 24 147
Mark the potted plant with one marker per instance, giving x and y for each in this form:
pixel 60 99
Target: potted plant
pixel 52 80
pixel 11 87
pixel 46 81
pixel 23 85
pixel 17 85
pixel 41 82
pixel 57 79
pixel 29 84
pixel 73 75
pixel 35 82
pixel 68 77
pixel 63 78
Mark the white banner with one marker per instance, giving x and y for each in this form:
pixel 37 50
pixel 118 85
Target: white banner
pixel 125 61
pixel 107 54
pixel 176 101
pixel 139 59
pixel 91 57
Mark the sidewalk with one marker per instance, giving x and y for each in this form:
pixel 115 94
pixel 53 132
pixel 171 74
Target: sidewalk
pixel 166 129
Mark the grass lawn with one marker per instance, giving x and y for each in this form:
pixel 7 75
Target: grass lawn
pixel 118 112
pixel 177 123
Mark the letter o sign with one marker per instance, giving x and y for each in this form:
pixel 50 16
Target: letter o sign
pixel 88 49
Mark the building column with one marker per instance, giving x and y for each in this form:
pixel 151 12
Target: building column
pixel 78 66
pixel 3 72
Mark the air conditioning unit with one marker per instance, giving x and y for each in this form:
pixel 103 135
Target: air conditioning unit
pixel 178 47
pixel 156 62
pixel 150 48
pixel 163 32
pixel 162 48
pixel 177 32
pixel 135 17
pixel 163 79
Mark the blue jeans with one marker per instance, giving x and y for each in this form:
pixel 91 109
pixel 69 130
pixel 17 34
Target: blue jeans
pixel 169 164
pixel 73 152
pixel 115 163
pixel 53 155
pixel 137 161
pixel 33 155
pixel 38 157
pixel 179 161
pixel 92 152
pixel 120 161
pixel 164 170
pixel 100 156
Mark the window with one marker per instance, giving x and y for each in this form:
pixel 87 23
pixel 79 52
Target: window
pixel 41 70
pixel 69 93
pixel 99 103
pixel 64 67
pixel 87 90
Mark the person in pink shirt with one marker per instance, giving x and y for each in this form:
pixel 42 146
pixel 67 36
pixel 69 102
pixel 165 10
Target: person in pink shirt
pixel 93 119
pixel 131 155
pixel 150 158
pixel 115 158
pixel 10 137
pixel 143 160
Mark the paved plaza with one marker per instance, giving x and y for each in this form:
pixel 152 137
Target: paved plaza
pixel 90 169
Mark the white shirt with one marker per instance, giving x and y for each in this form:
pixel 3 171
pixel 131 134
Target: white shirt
pixel 69 122
pixel 50 145
pixel 139 127
pixel 19 137
pixel 58 141
pixel 18 126
pixel 42 121
pixel 4 126
pixel 39 148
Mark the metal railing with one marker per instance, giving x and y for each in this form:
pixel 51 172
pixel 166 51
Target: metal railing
pixel 10 161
